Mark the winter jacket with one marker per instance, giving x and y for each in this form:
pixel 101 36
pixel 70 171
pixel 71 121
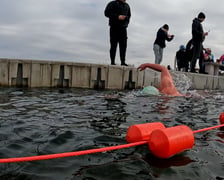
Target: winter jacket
pixel 197 31
pixel 116 8
pixel 161 37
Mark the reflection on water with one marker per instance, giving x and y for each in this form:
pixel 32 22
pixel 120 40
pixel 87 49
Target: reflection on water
pixel 177 160
pixel 46 121
pixel 111 122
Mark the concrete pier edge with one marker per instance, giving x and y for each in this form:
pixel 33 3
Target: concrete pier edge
pixel 45 73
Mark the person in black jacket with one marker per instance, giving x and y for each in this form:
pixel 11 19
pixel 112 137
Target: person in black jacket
pixel 159 44
pixel 198 36
pixel 182 59
pixel 119 14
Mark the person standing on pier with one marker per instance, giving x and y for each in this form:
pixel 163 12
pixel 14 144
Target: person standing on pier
pixel 119 14
pixel 198 36
pixel 160 42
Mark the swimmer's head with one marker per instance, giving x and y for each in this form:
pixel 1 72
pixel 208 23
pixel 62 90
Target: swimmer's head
pixel 150 90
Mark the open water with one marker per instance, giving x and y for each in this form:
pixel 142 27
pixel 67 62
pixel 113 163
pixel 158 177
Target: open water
pixel 47 121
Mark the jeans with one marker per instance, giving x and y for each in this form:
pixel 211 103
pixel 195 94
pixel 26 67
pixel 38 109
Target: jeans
pixel 158 51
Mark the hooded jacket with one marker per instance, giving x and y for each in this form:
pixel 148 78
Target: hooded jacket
pixel 197 31
pixel 116 8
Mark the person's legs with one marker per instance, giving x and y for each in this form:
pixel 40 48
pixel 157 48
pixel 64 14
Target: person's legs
pixel 193 60
pixel 189 55
pixel 113 44
pixel 201 63
pixel 187 66
pixel 178 65
pixel 158 51
pixel 161 55
pixel 196 55
pixel 123 45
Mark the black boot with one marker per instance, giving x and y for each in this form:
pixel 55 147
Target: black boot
pixel 113 62
pixel 124 64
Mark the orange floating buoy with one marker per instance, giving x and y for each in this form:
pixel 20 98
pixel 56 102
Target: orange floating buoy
pixel 221 118
pixel 141 132
pixel 167 142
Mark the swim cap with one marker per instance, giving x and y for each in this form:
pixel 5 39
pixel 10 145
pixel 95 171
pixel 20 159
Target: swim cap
pixel 150 90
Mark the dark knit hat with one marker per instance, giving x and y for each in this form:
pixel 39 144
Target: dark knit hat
pixel 201 15
pixel 165 26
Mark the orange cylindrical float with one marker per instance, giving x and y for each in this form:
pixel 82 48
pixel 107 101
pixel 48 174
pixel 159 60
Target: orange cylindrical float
pixel 141 132
pixel 167 142
pixel 221 118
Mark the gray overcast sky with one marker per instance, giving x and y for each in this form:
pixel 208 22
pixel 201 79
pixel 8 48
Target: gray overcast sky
pixel 77 30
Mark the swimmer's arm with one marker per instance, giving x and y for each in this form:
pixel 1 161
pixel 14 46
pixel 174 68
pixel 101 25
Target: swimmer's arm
pixel 156 67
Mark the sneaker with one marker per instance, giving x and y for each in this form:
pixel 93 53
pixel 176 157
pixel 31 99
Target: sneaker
pixel 124 64
pixel 113 64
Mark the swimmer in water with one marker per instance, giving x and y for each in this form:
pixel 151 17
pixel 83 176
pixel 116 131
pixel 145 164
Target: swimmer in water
pixel 166 85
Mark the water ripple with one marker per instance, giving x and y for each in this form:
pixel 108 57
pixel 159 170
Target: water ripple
pixel 46 121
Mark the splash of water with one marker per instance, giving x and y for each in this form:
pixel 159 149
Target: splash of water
pixel 218 96
pixel 181 82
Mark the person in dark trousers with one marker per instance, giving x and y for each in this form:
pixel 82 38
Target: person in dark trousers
pixel 159 44
pixel 198 36
pixel 119 14
pixel 190 51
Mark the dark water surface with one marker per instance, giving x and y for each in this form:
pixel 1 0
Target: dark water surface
pixel 47 121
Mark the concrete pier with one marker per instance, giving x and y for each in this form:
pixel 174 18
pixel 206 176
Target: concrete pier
pixel 36 73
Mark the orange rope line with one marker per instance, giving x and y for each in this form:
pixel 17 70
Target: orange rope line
pixel 69 154
pixel 85 152
pixel 207 129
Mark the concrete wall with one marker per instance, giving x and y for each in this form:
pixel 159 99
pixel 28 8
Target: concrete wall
pixel 35 73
